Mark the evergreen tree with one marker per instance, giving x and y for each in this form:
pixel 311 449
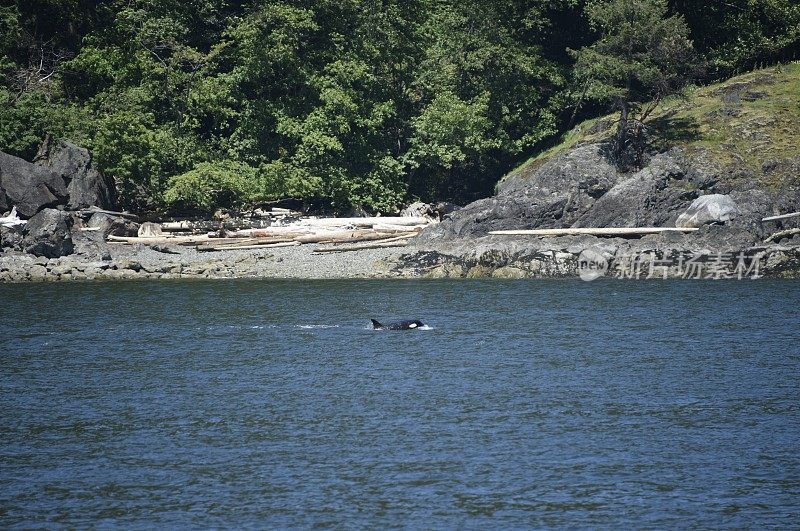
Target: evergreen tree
pixel 643 54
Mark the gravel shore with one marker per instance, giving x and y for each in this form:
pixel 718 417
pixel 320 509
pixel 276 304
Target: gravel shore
pixel 142 261
pixel 715 252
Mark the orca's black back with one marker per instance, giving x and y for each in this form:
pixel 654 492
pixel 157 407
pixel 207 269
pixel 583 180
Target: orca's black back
pixel 399 325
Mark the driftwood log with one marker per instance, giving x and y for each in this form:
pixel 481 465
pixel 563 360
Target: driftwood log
pixel 213 247
pixel 363 222
pixel 360 247
pixel 782 216
pixel 602 231
pixel 352 238
pixel 88 212
pixel 209 226
pixel 782 234
pixel 158 239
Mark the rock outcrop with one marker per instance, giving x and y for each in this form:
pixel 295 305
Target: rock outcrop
pixel 549 195
pixel 684 186
pixel 29 187
pixel 61 180
pixel 581 188
pixel 86 186
pixel 48 234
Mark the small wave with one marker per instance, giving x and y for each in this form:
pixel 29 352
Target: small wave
pixel 214 328
pixel 316 326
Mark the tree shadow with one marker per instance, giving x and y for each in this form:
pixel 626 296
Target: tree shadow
pixel 666 131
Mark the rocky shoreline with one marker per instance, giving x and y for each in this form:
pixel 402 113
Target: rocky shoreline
pixel 653 257
pixel 744 214
pixel 590 258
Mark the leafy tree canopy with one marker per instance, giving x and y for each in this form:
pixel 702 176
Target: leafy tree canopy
pixel 643 54
pixel 191 104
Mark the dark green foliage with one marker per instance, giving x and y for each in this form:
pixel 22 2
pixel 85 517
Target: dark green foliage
pixel 642 56
pixel 190 104
pixel 738 35
pixel 212 184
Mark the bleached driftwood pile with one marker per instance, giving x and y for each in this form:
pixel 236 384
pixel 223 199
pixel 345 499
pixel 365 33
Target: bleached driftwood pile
pixel 344 234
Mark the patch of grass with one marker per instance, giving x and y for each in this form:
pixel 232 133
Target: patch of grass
pixel 748 120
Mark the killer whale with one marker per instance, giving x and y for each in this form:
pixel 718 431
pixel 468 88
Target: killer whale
pixel 400 325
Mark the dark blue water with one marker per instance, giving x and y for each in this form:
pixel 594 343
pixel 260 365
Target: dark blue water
pixel 528 404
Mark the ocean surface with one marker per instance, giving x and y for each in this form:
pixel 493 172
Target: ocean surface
pixel 522 404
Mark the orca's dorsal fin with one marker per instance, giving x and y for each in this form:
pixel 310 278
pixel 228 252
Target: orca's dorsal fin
pixel 376 324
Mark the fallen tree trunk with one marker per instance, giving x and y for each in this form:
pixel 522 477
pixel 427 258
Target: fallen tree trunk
pixel 384 239
pixel 86 212
pixel 325 235
pixel 600 231
pixel 271 232
pixel 309 234
pixel 236 242
pixel 210 226
pixel 212 247
pixel 782 216
pixel 363 222
pixel 782 234
pixel 374 245
pixel 353 237
pixel 158 239
pixel 391 227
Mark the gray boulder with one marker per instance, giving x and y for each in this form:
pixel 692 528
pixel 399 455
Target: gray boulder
pixel 112 225
pixel 10 237
pixel 712 208
pixel 85 185
pixel 91 245
pixel 4 204
pixel 28 186
pixel 417 210
pixel 149 230
pixel 445 208
pixel 48 234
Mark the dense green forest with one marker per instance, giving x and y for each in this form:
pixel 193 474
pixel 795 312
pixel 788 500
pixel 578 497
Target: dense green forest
pixel 189 104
